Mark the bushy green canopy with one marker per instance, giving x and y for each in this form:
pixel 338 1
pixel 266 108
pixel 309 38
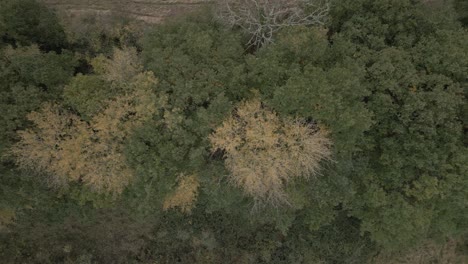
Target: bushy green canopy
pixel 384 80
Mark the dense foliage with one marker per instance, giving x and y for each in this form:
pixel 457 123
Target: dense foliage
pixel 28 22
pixel 339 143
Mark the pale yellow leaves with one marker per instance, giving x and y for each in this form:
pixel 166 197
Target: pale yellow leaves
pixel 121 68
pixel 68 149
pixel 51 146
pixel 185 195
pixel 7 217
pixel 263 152
pixel 111 128
pixel 10 52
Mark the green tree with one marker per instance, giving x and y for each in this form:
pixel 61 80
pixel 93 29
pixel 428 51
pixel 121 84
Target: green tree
pixel 26 22
pixel 303 76
pixel 111 77
pixel 28 77
pixel 195 60
pixel 462 9
pixel 200 68
pixel 86 94
pixel 414 164
pixel 94 33
pixel 28 65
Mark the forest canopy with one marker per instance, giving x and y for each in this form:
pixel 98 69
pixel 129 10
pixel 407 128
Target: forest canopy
pixel 309 131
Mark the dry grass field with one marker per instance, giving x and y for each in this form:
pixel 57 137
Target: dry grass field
pixel 149 11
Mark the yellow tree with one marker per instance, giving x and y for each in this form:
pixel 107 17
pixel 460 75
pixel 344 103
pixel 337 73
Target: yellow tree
pixel 264 152
pixel 121 68
pixel 185 195
pixel 53 145
pixel 108 168
pixel 68 149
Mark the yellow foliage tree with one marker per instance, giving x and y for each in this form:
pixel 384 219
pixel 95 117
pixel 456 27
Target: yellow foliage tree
pixel 111 128
pixel 7 217
pixel 52 145
pixel 185 194
pixel 121 68
pixel 263 152
pixel 69 149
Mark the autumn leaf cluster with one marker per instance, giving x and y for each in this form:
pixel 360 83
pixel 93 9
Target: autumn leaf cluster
pixel 264 152
pixel 68 149
pixel 185 194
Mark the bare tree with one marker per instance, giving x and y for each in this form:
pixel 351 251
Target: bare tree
pixel 262 18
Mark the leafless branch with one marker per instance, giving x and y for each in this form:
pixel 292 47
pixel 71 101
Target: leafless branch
pixel 262 18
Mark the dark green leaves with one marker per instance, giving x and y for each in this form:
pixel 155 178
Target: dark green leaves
pixel 26 22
